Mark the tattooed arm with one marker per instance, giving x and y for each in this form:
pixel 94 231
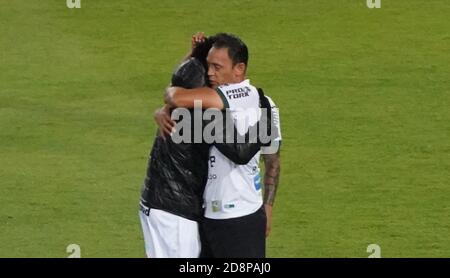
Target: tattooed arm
pixel 271 178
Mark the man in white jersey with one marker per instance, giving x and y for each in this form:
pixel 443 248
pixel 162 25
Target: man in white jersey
pixel 235 222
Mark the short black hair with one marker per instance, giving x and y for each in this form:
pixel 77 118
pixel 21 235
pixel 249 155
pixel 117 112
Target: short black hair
pixel 237 50
pixel 201 50
pixel 190 74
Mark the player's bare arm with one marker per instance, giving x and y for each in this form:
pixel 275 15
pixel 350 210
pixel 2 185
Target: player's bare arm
pixel 271 178
pixel 180 97
pixel 162 118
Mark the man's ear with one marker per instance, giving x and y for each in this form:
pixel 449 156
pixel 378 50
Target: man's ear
pixel 240 68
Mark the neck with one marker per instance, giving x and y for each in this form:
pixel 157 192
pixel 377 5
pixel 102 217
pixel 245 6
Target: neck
pixel 239 79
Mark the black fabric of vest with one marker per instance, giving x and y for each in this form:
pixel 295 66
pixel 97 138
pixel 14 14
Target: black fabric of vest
pixel 176 177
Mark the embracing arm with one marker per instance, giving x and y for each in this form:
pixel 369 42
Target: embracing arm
pixel 196 39
pixel 180 97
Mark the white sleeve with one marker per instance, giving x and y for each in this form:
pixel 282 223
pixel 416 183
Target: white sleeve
pixel 276 142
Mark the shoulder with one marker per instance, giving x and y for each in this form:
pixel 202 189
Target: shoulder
pixel 243 86
pixel 241 94
pixel 272 103
pixel 237 90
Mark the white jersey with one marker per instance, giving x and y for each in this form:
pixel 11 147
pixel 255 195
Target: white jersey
pixel 235 190
pixel 275 143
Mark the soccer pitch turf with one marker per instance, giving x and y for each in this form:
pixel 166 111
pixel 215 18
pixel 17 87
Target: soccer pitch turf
pixel 364 97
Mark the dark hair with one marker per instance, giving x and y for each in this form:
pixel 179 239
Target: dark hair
pixel 193 72
pixel 190 74
pixel 201 50
pixel 199 53
pixel 237 50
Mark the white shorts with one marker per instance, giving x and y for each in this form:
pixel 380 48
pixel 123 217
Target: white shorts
pixel 167 235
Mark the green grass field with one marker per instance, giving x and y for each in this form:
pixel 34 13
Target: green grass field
pixel 364 96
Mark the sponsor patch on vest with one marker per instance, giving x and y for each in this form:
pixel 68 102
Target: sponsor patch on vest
pixel 238 93
pixel 257 182
pixel 229 206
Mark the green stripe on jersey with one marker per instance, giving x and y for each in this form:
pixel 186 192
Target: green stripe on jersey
pixel 224 98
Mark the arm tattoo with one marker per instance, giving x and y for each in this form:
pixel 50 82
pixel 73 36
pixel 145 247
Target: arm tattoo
pixel 271 177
